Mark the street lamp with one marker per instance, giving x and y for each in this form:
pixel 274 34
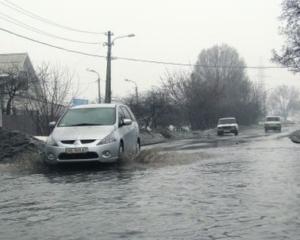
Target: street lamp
pixel 110 42
pixel 122 36
pixel 265 98
pixel 136 89
pixel 98 80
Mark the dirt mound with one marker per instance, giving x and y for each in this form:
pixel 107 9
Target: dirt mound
pixel 15 145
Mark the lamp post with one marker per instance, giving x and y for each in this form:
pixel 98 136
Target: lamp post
pixel 265 98
pixel 110 42
pixel 136 89
pixel 98 80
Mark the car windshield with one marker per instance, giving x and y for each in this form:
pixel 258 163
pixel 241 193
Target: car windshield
pixel 88 117
pixel 227 121
pixel 273 119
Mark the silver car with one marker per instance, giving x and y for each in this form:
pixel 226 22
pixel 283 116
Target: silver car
pixel 95 132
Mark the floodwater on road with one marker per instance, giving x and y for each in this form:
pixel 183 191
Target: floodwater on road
pixel 243 191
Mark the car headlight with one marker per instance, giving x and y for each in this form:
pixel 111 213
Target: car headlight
pixel 51 141
pixel 108 139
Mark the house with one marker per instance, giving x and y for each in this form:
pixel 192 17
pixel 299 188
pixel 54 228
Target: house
pixel 18 82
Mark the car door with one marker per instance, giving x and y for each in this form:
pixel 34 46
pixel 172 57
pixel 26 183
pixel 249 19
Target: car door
pixel 124 131
pixel 130 130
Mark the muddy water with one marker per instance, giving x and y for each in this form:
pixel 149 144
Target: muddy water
pixel 249 191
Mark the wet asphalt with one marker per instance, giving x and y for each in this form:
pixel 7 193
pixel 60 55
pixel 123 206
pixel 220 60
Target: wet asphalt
pixel 244 187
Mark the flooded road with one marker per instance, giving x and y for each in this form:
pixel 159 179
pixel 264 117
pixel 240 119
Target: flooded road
pixel 190 189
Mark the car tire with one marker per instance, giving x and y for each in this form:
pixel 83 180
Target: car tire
pixel 266 130
pixel 220 133
pixel 236 133
pixel 138 147
pixel 121 152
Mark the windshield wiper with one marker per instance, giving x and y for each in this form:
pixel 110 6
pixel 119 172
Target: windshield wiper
pixel 85 124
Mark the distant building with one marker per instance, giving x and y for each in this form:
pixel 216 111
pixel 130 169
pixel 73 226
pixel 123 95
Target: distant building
pixel 16 71
pixel 18 83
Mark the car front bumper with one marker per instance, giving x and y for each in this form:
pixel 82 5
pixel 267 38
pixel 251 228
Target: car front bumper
pixel 227 130
pixel 106 153
pixel 273 126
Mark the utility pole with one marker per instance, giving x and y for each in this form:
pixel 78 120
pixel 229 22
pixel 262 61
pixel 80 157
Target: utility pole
pixel 1 96
pixel 99 92
pixel 108 69
pixel 110 42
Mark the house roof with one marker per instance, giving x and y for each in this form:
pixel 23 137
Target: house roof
pixel 16 60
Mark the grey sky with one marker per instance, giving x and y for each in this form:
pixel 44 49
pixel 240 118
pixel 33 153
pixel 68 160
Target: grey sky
pixel 165 30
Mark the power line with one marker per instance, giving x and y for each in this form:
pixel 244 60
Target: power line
pixel 51 45
pixel 137 59
pixel 195 65
pixel 30 14
pixel 12 20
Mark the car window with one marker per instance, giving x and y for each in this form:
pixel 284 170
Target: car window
pixel 121 114
pixel 273 119
pixel 227 121
pixel 126 112
pixel 131 114
pixel 88 116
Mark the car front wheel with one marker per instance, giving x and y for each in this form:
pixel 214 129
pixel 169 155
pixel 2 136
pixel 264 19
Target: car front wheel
pixel 138 147
pixel 121 151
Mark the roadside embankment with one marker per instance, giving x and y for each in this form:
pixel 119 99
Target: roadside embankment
pixel 17 146
pixel 162 135
pixel 295 136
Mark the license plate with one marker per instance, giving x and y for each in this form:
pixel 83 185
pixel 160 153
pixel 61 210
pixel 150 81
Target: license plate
pixel 76 150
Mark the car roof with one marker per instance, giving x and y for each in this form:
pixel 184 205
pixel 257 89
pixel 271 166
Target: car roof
pixel 227 118
pixel 273 117
pixel 100 105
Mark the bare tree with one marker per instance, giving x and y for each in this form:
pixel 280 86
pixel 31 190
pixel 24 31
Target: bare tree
pixel 220 87
pixel 283 101
pixel 155 109
pixel 48 101
pixel 290 52
pixel 14 83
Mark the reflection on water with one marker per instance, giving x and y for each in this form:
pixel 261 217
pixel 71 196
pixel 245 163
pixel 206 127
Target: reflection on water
pixel 247 192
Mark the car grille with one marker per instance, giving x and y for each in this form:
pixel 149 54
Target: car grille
pixel 83 141
pixel 74 156
pixel 68 141
pixel 227 128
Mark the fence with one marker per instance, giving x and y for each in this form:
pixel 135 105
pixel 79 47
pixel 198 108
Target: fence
pixel 22 123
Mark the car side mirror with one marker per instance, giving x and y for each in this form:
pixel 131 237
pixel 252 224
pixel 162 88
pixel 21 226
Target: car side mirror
pixel 52 124
pixel 127 122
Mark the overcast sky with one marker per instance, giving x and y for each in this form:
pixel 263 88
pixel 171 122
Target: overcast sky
pixel 166 30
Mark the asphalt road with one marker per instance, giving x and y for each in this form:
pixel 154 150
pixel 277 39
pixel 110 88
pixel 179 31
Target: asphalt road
pixel 244 187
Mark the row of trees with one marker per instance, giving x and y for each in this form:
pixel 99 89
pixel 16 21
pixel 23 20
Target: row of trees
pixel 218 86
